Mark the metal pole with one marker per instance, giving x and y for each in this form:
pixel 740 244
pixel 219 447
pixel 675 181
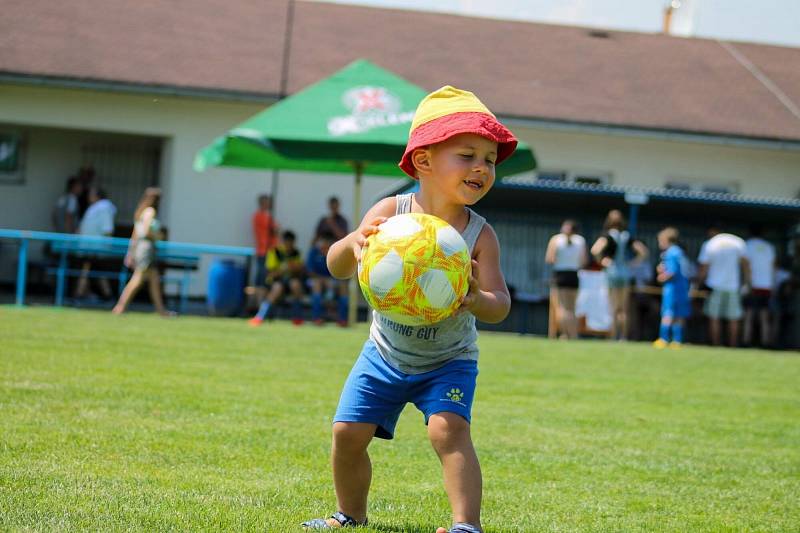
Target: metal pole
pixel 22 271
pixel 352 307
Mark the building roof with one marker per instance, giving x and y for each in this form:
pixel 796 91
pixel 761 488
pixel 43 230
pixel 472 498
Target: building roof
pixel 519 69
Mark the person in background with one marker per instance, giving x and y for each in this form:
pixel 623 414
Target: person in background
pixel 85 176
pixel 333 223
pixel 97 221
pixel 761 255
pixel 265 235
pixel 672 273
pixel 286 273
pixel 566 252
pixel 322 283
pixel 142 253
pixel 65 215
pixel 616 250
pixel 724 268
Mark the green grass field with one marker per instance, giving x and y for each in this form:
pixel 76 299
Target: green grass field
pixel 141 423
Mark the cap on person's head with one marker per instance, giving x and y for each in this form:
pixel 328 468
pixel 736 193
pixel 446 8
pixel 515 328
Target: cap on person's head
pixel 448 112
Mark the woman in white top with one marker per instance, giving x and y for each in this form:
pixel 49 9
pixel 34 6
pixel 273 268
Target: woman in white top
pixel 141 253
pixel 566 251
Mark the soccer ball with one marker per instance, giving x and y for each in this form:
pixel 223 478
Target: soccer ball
pixel 415 269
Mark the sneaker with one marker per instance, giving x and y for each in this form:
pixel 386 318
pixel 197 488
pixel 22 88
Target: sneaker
pixel 255 321
pixel 319 322
pixel 341 323
pixel 675 345
pixel 659 344
pixel 297 321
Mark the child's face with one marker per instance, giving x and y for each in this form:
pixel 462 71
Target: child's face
pixel 462 167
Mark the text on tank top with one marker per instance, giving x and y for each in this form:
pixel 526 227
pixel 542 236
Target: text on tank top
pixel 419 349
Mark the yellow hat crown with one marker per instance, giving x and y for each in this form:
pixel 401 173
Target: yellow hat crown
pixel 447 101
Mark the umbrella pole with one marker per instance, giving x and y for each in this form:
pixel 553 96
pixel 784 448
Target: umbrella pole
pixel 352 307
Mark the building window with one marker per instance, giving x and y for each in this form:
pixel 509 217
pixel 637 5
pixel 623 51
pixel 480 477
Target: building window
pixel 12 158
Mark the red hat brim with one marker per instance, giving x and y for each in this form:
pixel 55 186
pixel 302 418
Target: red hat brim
pixel 442 128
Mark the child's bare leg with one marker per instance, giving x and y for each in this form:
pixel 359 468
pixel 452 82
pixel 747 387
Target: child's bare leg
pixel 352 469
pixel 450 436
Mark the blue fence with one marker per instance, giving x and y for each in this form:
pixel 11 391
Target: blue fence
pixel 182 255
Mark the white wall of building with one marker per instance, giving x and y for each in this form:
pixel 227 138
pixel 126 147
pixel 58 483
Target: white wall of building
pixel 212 207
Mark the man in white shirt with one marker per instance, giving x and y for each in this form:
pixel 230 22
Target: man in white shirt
pixel 99 221
pixel 725 269
pixel 761 255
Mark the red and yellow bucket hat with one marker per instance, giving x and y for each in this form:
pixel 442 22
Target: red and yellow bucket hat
pixel 447 112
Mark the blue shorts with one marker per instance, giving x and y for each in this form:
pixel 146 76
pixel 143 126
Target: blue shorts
pixel 675 303
pixel 376 392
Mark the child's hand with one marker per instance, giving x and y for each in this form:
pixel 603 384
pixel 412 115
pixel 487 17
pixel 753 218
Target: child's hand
pixel 606 262
pixel 470 300
pixel 364 231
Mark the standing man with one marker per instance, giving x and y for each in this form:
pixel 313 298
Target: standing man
pixel 333 223
pixel 97 221
pixel 265 235
pixel 761 255
pixel 724 269
pixel 66 210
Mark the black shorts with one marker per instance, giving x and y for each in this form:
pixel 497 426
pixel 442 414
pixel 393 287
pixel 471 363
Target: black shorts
pixel 566 279
pixel 758 299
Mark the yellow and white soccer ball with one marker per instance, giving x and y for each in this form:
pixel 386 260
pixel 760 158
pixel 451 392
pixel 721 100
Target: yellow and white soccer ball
pixel 415 269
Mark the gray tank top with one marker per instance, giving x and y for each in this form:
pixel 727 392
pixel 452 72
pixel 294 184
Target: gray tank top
pixel 418 349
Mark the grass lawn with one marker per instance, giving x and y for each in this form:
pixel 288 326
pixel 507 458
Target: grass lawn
pixel 141 423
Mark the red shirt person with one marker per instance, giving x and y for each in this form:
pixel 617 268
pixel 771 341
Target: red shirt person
pixel 265 234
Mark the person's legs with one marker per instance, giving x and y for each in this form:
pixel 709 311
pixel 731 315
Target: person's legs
pixel 449 434
pixel 296 290
pixel 83 280
pixel 343 301
pixel 715 330
pixel 619 306
pixel 766 327
pixel 568 323
pixel 154 282
pixel 130 290
pixel 352 469
pixel 747 325
pixel 733 333
pixel 665 329
pixel 317 288
pixel 677 331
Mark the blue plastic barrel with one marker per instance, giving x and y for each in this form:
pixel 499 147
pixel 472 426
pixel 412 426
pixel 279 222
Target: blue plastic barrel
pixel 225 295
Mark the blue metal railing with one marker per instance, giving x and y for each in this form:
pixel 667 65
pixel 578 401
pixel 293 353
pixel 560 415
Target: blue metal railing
pixel 64 244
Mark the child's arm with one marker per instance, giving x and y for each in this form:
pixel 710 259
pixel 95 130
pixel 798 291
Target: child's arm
pixel 488 298
pixel 550 253
pixel 343 255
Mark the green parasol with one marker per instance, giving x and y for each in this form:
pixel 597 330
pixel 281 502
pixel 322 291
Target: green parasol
pixel 354 122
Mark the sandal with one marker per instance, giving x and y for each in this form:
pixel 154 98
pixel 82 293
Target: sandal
pixel 462 527
pixel 322 523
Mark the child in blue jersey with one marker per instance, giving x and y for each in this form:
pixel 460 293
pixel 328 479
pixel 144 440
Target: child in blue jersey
pixel 675 297
pixel 454 144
